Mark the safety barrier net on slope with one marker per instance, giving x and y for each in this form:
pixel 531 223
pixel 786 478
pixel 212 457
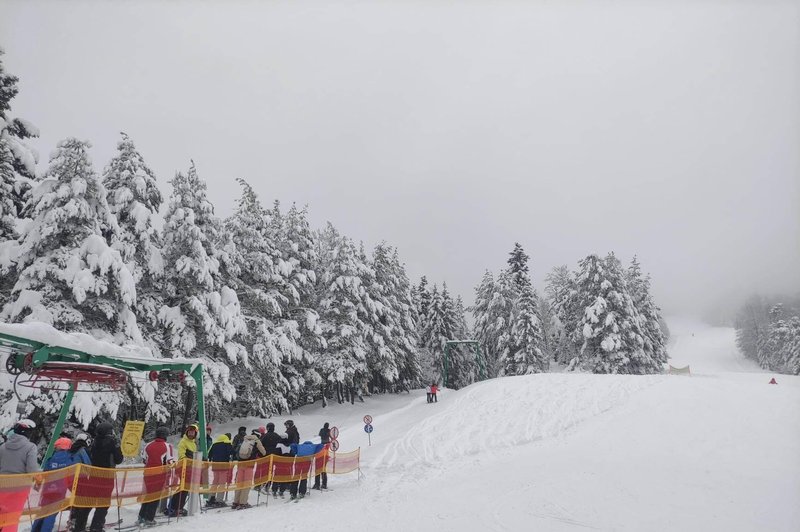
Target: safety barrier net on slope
pixel 38 495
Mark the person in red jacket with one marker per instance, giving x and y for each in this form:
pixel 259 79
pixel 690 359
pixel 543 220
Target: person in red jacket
pixel 156 454
pixel 434 391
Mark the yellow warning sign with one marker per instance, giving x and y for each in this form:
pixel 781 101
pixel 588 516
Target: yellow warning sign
pixel 132 438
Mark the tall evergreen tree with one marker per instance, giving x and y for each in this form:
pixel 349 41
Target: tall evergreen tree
pixel 17 170
pixel 523 352
pixel 639 288
pixel 69 276
pixel 613 340
pixel 134 198
pixel 202 315
pixel 342 300
pixel 562 292
pixel 407 337
pixel 298 244
pixel 261 279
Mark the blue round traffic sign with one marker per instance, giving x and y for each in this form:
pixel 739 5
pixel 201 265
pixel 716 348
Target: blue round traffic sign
pixel 368 428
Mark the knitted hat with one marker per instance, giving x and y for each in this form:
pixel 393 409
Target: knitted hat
pixel 63 444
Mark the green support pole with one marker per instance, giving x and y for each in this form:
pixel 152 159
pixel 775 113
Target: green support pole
pixel 197 375
pixel 479 359
pixel 60 423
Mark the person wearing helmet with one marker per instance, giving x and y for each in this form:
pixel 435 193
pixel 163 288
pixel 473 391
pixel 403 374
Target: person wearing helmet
pixel 54 490
pixel 18 455
pixel 105 452
pixel 79 449
pixel 155 454
pixel 187 448
pixel 220 455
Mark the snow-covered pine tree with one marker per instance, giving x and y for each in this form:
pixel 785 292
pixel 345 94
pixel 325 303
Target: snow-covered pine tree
pixel 561 290
pixel 69 276
pixel 382 286
pixel 260 277
pixel 613 339
pixel 407 337
pixel 752 323
pixel 342 299
pixel 792 348
pixel 639 288
pixel 422 298
pixel 772 346
pixel 134 198
pixel 524 353
pixel 17 170
pixel 484 324
pixel 201 314
pixel 299 248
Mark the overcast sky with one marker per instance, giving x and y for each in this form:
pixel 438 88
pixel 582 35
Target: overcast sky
pixel 451 130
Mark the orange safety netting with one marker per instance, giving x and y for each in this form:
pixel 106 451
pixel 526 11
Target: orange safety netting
pixel 38 495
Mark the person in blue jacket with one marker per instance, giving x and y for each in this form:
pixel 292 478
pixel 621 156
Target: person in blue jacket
pixel 304 449
pixel 55 490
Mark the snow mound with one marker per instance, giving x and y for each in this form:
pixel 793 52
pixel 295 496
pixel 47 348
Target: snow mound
pixel 501 413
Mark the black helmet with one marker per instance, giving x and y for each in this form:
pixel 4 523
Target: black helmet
pixel 270 427
pixel 104 429
pixel 162 432
pixel 24 427
pixel 289 423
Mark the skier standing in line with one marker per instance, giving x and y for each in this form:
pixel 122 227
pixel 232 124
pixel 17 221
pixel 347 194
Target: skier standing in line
pixel 270 441
pixel 325 440
pixel 238 439
pixel 187 448
pixel 17 455
pixel 55 490
pixel 302 467
pixel 220 455
pixel 105 452
pixel 434 391
pixel 292 435
pixel 250 449
pixel 155 454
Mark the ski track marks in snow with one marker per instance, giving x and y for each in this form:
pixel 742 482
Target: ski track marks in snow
pixel 500 414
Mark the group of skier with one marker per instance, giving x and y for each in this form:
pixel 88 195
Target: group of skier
pixel 432 392
pixel 19 455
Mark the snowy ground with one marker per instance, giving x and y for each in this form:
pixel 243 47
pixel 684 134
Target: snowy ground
pixel 719 450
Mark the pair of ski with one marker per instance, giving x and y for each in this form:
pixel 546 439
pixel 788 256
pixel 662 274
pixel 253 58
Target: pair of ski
pixel 107 526
pixel 159 520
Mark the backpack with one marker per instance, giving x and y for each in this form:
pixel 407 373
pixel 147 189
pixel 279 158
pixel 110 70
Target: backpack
pixel 247 449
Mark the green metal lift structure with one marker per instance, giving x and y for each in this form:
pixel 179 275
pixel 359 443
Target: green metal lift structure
pixel 58 368
pixel 450 344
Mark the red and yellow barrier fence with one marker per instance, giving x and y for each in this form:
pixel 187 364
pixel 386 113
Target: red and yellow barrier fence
pixel 38 495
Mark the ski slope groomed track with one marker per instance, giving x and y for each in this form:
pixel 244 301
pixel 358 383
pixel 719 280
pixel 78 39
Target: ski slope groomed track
pixel 716 451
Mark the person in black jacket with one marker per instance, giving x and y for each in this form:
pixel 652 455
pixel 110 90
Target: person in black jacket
pixel 270 441
pixel 324 439
pixel 104 452
pixel 292 435
pixel 325 434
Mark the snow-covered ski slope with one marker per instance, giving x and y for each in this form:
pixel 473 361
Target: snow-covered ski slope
pixel 717 451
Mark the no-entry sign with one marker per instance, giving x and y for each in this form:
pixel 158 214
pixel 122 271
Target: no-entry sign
pixel 334 433
pixel 367 419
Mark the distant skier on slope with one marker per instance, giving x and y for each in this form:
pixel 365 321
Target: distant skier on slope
pixel 434 391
